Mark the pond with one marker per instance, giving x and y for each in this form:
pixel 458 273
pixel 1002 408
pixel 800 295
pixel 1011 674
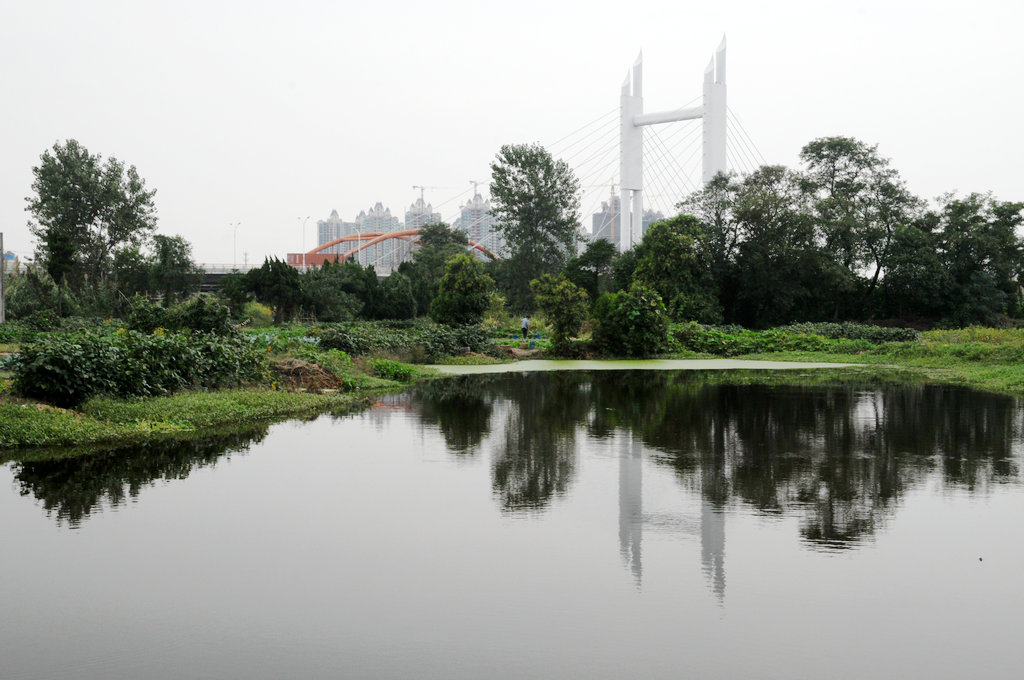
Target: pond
pixel 630 524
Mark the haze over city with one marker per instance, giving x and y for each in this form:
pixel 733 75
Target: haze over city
pixel 261 114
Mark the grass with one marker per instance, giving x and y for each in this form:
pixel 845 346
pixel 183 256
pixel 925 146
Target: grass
pixel 103 420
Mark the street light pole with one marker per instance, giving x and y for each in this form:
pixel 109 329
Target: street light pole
pixel 234 245
pixel 3 275
pixel 304 220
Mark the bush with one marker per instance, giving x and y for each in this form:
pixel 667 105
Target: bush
pixel 876 335
pixel 424 341
pixel 392 370
pixel 67 369
pixel 202 314
pixel 146 315
pixel 630 323
pixel 735 341
pixel 463 292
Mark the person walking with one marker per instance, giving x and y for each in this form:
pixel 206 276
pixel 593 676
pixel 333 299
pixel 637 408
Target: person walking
pixel 525 324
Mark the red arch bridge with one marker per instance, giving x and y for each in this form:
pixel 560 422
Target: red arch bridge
pixel 385 250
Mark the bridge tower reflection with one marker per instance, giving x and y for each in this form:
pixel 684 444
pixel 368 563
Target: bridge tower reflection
pixel 632 518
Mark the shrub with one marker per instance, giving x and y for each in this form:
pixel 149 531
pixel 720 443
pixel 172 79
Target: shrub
pixel 463 292
pixel 146 315
pixel 392 370
pixel 427 341
pixel 631 322
pixel 735 341
pixel 202 314
pixel 564 303
pixel 67 369
pixel 855 331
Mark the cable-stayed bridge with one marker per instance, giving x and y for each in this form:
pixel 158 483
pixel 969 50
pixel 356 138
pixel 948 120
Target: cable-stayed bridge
pixel 634 167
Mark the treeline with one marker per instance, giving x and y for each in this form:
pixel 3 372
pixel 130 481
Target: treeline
pixel 840 239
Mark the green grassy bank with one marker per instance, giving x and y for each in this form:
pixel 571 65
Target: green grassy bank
pixel 25 423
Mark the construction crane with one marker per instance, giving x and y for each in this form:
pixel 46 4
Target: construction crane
pixel 423 190
pixel 476 186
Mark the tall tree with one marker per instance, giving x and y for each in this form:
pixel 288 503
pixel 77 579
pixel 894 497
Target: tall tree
pixel 536 205
pixel 175 274
pixel 591 270
pixel 982 254
pixel 670 261
pixel 83 210
pixel 780 270
pixel 277 284
pixel 859 202
pixel 438 244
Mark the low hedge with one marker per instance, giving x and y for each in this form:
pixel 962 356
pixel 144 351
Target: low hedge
pixel 66 369
pixel 847 330
pixel 709 340
pixel 422 341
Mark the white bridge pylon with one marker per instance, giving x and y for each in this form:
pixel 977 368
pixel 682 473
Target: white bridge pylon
pixel 631 138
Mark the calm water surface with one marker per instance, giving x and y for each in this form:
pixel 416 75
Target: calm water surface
pixel 584 525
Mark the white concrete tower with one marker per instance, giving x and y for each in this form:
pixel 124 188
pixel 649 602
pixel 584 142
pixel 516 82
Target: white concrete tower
pixel 632 118
pixel 631 156
pixel 714 116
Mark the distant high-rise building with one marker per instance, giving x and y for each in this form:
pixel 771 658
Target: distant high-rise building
pixel 477 222
pixel 650 217
pixel 420 214
pixel 334 228
pixel 384 256
pixel 606 223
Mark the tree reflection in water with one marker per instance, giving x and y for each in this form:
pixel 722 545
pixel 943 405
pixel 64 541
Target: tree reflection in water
pixel 839 455
pixel 70 489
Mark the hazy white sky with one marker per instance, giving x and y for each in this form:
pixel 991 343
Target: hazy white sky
pixel 266 112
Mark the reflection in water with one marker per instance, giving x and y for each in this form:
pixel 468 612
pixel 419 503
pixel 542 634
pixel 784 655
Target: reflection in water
pixel 631 505
pixel 70 489
pixel 838 456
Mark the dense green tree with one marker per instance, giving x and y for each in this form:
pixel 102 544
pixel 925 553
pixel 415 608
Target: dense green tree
pixel 564 305
pixel 175 274
pixel 133 271
pixel 916 280
pixel 438 244
pixel 333 292
pixel 859 202
pixel 780 270
pixel 276 283
pixel 982 255
pixel 670 262
pixel 234 290
pixel 591 270
pixel 631 322
pixel 397 299
pixel 720 234
pixel 536 205
pixel 84 209
pixel 464 292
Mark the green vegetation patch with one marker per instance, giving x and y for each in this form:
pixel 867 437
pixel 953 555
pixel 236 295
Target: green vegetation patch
pixel 196 410
pixel 108 420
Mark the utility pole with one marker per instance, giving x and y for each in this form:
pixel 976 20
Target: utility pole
pixel 3 280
